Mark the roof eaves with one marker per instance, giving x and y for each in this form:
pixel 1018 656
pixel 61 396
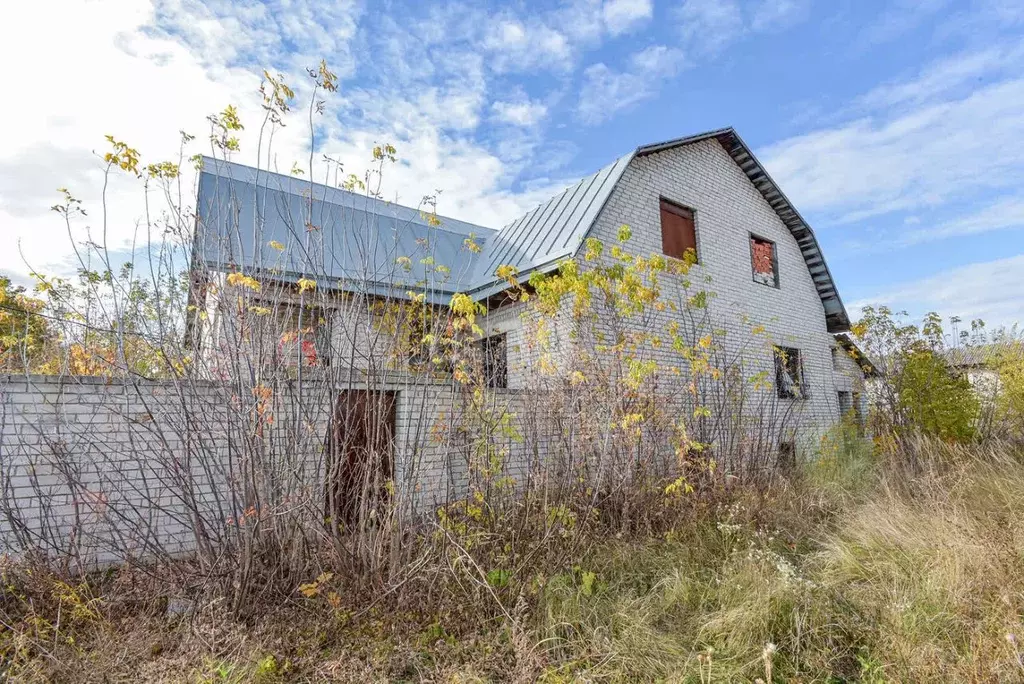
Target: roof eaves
pixel 859 357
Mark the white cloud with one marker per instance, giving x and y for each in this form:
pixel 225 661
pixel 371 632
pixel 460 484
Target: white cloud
pixel 520 112
pixel 992 291
pixel 623 16
pixel 901 17
pixel 519 46
pixel 926 156
pixel 777 14
pixel 606 92
pixel 283 34
pixel 946 76
pixel 142 72
pixel 710 25
pixel 113 79
pixel 1004 214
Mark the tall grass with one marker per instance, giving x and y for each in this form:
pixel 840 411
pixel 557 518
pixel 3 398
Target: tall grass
pixel 859 569
pixel 831 578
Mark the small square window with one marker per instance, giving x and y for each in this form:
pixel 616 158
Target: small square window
pixel 678 232
pixel 763 261
pixel 789 374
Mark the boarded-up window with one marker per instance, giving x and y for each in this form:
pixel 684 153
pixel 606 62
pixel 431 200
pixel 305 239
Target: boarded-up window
pixel 763 261
pixel 789 374
pixel 678 234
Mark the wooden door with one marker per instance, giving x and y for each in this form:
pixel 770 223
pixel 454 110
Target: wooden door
pixel 360 461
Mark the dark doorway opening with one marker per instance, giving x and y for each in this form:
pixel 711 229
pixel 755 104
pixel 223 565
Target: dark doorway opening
pixel 360 456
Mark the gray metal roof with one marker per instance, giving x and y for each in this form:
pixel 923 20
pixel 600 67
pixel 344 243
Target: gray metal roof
pixel 356 240
pixel 339 238
pixel 555 229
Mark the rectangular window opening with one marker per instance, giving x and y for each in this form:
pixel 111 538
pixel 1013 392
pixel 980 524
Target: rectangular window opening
pixel 787 456
pixel 299 335
pixel 789 374
pixel 835 359
pixel 495 360
pixel 845 404
pixel 858 412
pixel 763 261
pixel 678 232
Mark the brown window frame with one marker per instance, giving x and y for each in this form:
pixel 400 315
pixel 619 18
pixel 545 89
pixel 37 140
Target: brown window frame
pixel 775 260
pixel 687 214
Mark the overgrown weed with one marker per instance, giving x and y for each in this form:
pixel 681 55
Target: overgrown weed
pixel 847 572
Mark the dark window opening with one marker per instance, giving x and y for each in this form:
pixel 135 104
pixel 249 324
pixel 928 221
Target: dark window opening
pixel 678 232
pixel 787 456
pixel 495 360
pixel 835 359
pixel 789 374
pixel 424 353
pixel 845 404
pixel 858 412
pixel 763 261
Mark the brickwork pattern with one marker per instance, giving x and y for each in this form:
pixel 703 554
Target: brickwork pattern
pixel 727 210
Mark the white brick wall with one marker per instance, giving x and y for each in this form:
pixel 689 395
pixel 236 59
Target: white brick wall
pixel 107 470
pixel 728 208
pixel 98 468
pixel 127 444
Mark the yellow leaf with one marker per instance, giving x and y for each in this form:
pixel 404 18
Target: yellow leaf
pixel 276 245
pixel 306 284
pixel 241 280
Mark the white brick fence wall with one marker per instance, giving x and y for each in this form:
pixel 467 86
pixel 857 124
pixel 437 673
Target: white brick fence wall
pixel 105 470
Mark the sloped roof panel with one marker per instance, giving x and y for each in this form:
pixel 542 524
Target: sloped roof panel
pixel 554 229
pixel 339 238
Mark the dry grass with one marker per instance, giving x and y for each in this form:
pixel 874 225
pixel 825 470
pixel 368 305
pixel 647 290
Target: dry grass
pixel 858 571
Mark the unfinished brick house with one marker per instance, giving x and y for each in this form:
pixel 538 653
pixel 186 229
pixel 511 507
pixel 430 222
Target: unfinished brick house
pixel 706 193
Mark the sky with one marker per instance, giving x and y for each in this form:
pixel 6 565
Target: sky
pixel 896 128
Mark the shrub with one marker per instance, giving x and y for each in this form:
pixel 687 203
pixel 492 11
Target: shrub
pixel 935 400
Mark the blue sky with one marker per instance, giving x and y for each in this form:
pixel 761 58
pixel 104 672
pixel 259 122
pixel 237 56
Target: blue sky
pixel 895 127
